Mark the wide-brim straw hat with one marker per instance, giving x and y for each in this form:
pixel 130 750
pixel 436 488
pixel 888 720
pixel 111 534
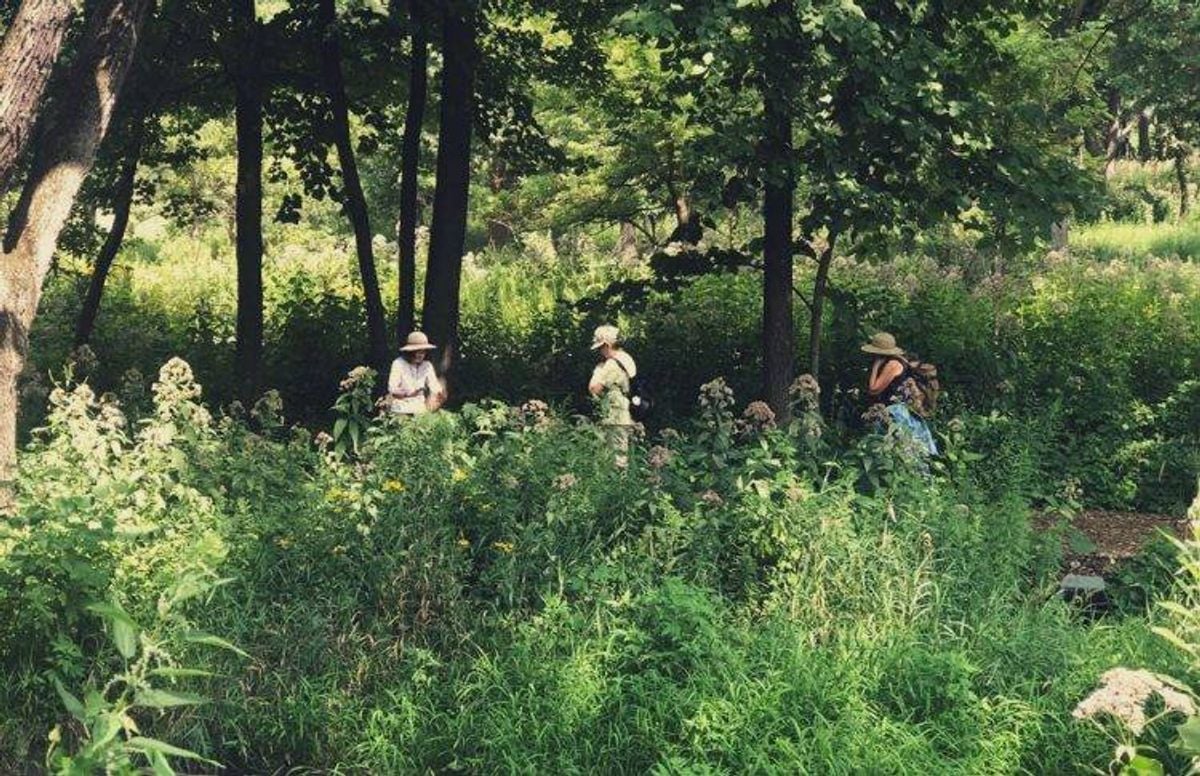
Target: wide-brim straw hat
pixel 417 341
pixel 605 335
pixel 883 344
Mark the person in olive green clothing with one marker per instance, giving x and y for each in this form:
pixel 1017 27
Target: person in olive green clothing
pixel 609 387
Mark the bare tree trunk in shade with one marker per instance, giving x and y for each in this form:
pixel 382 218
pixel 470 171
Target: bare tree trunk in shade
pixel 439 318
pixel 122 204
pixel 248 119
pixel 410 157
pixel 355 201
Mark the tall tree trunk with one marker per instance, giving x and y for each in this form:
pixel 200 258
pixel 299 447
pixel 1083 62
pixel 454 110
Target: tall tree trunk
pixel 1185 196
pixel 778 335
pixel 627 244
pixel 27 55
pixel 248 89
pixel 122 204
pixel 1145 144
pixel 410 158
pixel 1113 135
pixel 816 320
pixel 449 228
pixel 73 131
pixel 353 198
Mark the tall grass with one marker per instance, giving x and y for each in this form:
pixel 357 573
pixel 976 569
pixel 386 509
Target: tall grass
pixel 1134 242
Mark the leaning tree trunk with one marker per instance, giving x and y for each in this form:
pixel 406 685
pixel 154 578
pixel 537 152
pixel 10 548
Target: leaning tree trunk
pixel 354 200
pixel 410 158
pixel 778 211
pixel 1185 196
pixel 449 228
pixel 73 131
pixel 122 204
pixel 248 119
pixel 27 55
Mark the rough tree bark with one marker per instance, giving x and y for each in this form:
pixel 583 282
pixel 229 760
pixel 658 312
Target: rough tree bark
pixel 248 118
pixel 778 211
pixel 27 55
pixel 73 130
pixel 410 157
pixel 354 201
pixel 439 316
pixel 1114 135
pixel 1145 144
pixel 122 204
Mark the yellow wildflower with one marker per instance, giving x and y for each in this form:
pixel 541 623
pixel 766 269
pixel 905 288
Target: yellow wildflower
pixel 458 475
pixel 504 547
pixel 393 486
pixel 463 542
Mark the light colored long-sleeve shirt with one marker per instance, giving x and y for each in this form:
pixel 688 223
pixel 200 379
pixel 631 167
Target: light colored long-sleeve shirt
pixel 419 380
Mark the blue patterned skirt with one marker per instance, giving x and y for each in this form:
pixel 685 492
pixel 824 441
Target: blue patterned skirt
pixel 903 417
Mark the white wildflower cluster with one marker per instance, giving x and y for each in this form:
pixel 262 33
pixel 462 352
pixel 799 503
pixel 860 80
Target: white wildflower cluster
pixel 805 392
pixel 177 395
pixel 83 360
pixel 877 413
pixel 359 375
pixel 1123 694
pixel 659 457
pixel 534 414
pixel 758 417
pixel 565 481
pixel 268 410
pixel 716 395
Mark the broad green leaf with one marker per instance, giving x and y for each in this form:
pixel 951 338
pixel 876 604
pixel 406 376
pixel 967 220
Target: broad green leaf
pixel 339 428
pixel 124 629
pixel 1141 765
pixel 180 673
pixel 166 699
pixel 148 745
pixel 160 766
pixel 214 641
pixel 70 702
pixel 1189 737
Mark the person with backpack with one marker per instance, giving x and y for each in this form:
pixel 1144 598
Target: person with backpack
pixel 906 387
pixel 612 387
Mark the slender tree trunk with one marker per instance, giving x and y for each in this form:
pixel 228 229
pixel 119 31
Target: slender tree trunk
pixel 354 200
pixel 73 131
pixel 627 245
pixel 410 158
pixel 1112 137
pixel 1181 177
pixel 778 334
pixel 248 118
pixel 122 204
pixel 448 233
pixel 1145 144
pixel 27 55
pixel 816 321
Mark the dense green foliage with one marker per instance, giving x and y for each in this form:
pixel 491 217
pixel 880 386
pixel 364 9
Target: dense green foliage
pixel 487 592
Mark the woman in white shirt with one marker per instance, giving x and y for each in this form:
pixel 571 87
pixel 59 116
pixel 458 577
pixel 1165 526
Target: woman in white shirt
pixel 413 384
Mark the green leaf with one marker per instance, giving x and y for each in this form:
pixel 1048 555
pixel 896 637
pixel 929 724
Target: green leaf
pixel 180 673
pixel 124 629
pixel 166 699
pixel 339 428
pixel 214 641
pixel 160 766
pixel 1141 765
pixel 1189 737
pixel 153 745
pixel 70 701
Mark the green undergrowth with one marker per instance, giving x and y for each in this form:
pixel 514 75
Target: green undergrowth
pixel 487 591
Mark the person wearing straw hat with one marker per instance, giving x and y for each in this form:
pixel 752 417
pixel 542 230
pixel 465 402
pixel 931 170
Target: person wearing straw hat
pixel 413 384
pixel 888 384
pixel 610 385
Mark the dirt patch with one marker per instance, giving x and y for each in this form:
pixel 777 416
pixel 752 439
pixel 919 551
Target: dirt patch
pixel 1099 540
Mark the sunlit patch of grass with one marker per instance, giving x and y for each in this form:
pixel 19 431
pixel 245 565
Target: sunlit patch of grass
pixel 1111 240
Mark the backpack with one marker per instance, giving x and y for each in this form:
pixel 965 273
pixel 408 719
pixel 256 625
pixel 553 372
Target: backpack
pixel 922 388
pixel 639 395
